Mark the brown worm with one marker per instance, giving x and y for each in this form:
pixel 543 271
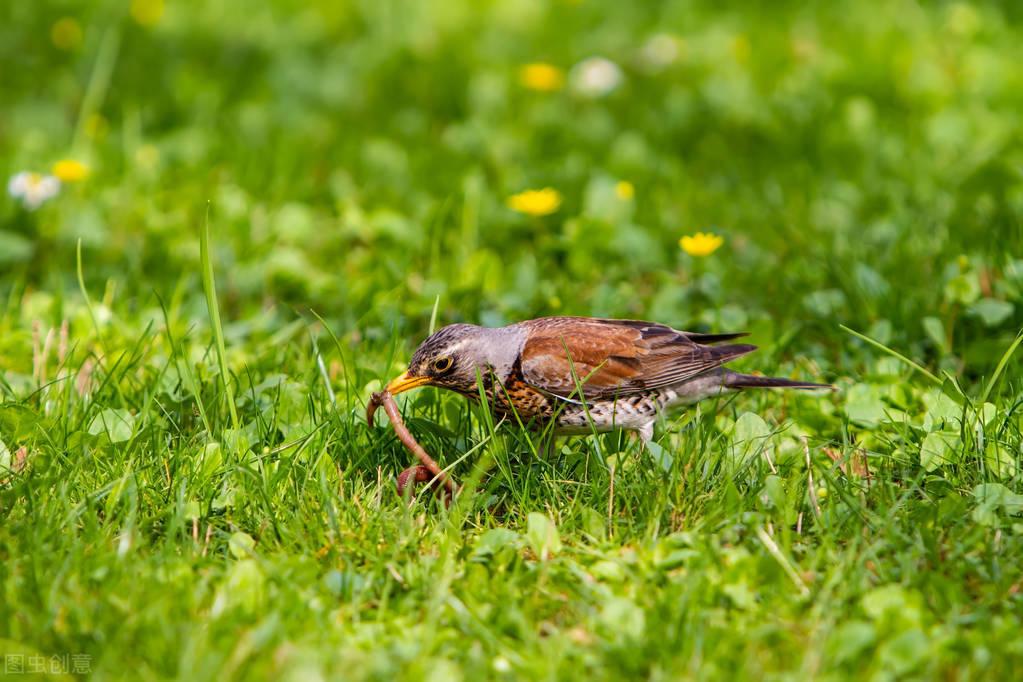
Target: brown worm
pixel 429 470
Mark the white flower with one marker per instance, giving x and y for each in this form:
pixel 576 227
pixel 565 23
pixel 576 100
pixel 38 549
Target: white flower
pixel 659 51
pixel 33 188
pixel 595 77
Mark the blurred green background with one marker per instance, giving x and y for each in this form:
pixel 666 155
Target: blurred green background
pixel 863 161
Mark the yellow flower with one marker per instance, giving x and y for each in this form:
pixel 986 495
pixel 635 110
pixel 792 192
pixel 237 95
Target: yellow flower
pixel 147 12
pixel 66 34
pixel 70 170
pixel 542 77
pixel 701 243
pixel 535 202
pixel 624 190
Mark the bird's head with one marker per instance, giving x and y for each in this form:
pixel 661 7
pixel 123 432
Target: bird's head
pixel 454 356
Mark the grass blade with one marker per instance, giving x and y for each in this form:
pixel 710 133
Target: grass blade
pixel 1000 368
pixel 209 286
pixel 83 290
pixel 895 354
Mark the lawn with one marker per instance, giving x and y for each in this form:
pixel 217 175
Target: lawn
pixel 261 208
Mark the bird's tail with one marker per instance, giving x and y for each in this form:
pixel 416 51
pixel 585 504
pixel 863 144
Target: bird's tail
pixel 736 380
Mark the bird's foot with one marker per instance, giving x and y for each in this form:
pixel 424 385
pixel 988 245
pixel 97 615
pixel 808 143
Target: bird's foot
pixel 643 435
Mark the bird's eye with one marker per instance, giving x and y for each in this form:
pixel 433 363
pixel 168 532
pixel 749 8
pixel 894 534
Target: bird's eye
pixel 442 364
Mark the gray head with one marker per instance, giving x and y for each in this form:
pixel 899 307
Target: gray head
pixel 452 356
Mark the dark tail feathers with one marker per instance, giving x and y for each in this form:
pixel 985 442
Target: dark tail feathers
pixel 713 338
pixel 736 380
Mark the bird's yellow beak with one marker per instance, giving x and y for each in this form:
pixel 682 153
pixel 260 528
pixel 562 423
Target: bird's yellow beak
pixel 406 382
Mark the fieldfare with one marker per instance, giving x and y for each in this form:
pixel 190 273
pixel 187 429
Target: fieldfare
pixel 585 374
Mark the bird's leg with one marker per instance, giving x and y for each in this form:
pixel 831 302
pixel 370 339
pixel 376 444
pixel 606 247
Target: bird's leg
pixel 643 434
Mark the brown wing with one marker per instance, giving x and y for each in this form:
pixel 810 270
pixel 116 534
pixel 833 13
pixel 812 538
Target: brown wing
pixel 613 358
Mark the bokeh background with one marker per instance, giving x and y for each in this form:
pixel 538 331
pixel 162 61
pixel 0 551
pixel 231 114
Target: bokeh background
pixel 861 160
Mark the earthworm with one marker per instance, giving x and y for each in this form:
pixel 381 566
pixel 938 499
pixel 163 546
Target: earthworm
pixel 429 470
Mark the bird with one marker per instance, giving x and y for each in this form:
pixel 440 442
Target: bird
pixel 582 375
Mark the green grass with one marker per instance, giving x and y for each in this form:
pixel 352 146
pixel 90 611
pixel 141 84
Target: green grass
pixel 285 197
